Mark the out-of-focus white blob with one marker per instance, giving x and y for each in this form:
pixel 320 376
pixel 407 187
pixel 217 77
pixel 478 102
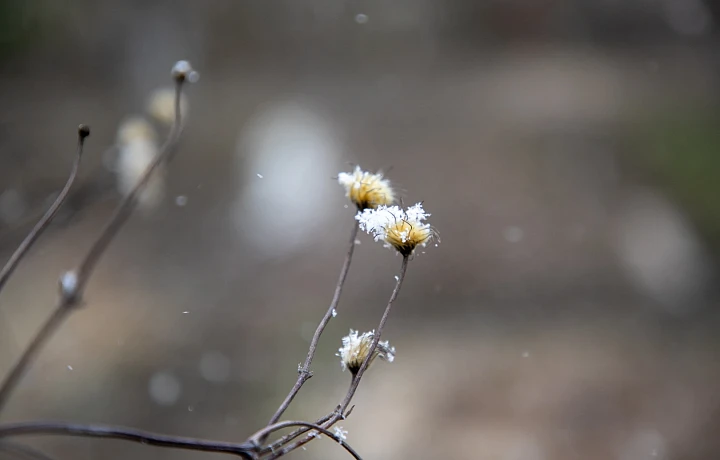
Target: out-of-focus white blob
pixel 137 148
pixel 296 150
pixel 164 388
pixel 643 445
pixel 215 367
pixel 513 234
pixel 12 206
pixel 161 105
pixel 661 253
pixel 687 17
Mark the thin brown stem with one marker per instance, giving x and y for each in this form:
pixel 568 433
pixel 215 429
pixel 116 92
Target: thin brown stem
pixel 376 339
pixel 44 222
pixel 60 313
pixel 339 412
pixel 254 439
pixel 244 450
pixel 304 372
pixel 72 292
pixel 128 204
pixel 292 435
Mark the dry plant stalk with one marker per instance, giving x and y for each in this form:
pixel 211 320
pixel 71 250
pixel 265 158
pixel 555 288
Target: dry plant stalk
pixel 400 229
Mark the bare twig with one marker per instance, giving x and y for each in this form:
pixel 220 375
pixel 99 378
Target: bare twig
pixel 60 313
pixel 72 290
pixel 128 204
pixel 376 339
pixel 339 412
pixel 23 451
pixel 304 372
pixel 292 435
pixel 44 222
pixel 244 450
pixel 254 439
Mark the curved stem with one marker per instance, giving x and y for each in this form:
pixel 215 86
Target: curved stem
pixel 244 450
pixel 304 372
pixel 378 334
pixel 339 412
pixel 44 222
pixel 128 204
pixel 292 435
pixel 279 426
pixel 72 299
pixel 11 380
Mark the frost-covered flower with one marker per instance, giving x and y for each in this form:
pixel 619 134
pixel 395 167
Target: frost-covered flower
pixel 402 229
pixel 137 149
pixel 340 433
pixel 365 189
pixel 356 348
pixel 161 105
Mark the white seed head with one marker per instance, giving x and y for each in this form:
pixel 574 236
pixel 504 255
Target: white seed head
pixel 356 348
pixel 183 71
pixel 402 229
pixel 365 189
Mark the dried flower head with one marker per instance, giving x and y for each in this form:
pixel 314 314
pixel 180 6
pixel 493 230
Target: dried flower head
pixel 365 189
pixel 356 348
pixel 402 229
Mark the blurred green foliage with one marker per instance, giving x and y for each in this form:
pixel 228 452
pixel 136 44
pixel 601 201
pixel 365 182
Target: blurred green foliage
pixel 681 150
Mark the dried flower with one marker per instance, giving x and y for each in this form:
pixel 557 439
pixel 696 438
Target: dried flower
pixel 365 189
pixel 356 348
pixel 401 229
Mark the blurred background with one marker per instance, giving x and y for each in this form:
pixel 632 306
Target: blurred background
pixel 568 151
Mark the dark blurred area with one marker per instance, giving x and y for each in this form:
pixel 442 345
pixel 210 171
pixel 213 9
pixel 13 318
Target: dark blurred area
pixel 568 151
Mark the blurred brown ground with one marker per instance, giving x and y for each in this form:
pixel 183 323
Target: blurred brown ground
pixel 568 312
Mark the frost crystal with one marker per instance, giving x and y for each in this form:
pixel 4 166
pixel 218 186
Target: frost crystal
pixel 402 229
pixel 340 433
pixel 365 189
pixel 356 348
